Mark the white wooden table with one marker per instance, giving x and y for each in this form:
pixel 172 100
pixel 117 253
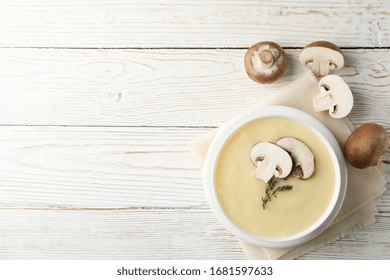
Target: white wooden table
pixel 99 99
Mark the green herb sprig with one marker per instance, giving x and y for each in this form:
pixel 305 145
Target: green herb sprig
pixel 270 191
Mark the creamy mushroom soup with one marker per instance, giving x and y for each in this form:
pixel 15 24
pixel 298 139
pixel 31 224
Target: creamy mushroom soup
pixel 240 192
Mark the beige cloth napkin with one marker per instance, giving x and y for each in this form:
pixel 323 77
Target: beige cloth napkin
pixel 364 186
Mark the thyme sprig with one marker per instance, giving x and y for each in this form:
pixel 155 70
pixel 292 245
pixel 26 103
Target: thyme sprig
pixel 270 191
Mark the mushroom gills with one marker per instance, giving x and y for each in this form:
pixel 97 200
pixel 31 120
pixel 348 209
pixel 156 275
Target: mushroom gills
pixel 302 156
pixel 321 67
pixel 265 62
pixel 270 160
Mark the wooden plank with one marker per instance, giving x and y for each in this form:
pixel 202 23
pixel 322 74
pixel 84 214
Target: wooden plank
pixel 137 234
pixel 195 23
pixel 161 87
pixel 152 234
pixel 92 167
pixel 369 243
pixel 98 167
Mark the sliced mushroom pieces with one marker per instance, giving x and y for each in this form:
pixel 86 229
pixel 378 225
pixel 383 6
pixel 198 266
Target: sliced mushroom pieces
pixel 321 57
pixel 265 62
pixel 335 96
pixel 270 160
pixel 303 158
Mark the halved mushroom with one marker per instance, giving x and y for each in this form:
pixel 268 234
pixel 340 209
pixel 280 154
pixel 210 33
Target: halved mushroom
pixel 270 160
pixel 335 96
pixel 303 158
pixel 265 62
pixel 322 56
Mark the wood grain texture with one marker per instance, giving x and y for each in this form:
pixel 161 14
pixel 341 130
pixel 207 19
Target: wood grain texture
pixel 193 23
pixel 98 167
pixel 94 162
pixel 369 243
pixel 92 167
pixel 152 234
pixel 116 168
pixel 136 234
pixel 161 87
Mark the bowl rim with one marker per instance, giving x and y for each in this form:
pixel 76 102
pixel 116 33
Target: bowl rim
pixel 276 111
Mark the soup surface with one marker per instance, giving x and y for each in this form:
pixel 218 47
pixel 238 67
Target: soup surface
pixel 240 192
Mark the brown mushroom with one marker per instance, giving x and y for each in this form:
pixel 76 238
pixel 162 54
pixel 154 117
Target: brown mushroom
pixel 366 146
pixel 321 57
pixel 265 62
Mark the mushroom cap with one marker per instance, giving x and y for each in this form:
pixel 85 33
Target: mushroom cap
pixel 335 96
pixel 323 52
pixel 270 160
pixel 303 158
pixel 324 44
pixel 366 146
pixel 265 62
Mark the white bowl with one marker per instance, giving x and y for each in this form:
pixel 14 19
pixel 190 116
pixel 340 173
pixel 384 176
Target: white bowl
pixel 318 129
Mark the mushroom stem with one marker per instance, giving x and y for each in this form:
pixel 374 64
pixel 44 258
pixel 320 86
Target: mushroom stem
pixel 323 101
pixel 265 62
pixel 265 170
pixel 320 67
pixel 321 57
pixel 335 96
pixel 266 58
pixel 270 160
